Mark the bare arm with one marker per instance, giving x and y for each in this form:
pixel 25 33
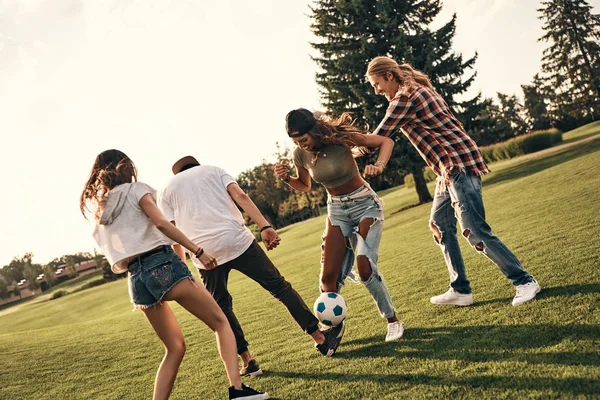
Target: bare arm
pixel 302 183
pixel 268 235
pixel 385 146
pixel 169 230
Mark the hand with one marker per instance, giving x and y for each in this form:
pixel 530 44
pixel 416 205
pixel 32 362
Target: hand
pixel 208 261
pixel 372 170
pixel 282 170
pixel 270 238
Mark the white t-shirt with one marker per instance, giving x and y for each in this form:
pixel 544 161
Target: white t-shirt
pixel 198 201
pixel 124 229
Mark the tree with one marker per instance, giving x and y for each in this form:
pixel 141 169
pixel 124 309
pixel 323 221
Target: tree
pixel 512 112
pixel 50 274
pixel 31 272
pixel 535 105
pixel 14 270
pixel 4 293
pixel 71 268
pixel 572 62
pixel 16 290
pixel 352 33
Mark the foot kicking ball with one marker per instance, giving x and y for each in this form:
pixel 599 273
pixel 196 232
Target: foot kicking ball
pixel 330 308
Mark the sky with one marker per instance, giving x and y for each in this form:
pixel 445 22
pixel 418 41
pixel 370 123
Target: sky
pixel 162 79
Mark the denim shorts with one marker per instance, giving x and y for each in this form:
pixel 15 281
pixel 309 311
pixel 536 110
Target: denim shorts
pixel 347 214
pixel 151 277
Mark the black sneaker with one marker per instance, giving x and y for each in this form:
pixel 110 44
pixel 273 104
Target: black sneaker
pixel 247 393
pixel 252 369
pixel 333 337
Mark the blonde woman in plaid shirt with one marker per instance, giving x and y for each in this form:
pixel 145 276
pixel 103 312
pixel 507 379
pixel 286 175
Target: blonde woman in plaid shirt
pixel 425 119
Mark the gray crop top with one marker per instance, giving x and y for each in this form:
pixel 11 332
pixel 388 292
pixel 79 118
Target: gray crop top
pixel 333 167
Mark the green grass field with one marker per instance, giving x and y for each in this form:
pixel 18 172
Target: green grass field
pixel 90 345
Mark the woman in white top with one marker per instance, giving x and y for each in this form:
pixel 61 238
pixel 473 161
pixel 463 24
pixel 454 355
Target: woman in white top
pixel 135 236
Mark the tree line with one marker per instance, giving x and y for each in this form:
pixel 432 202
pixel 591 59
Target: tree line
pixel 24 268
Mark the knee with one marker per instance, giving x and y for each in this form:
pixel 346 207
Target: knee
pixel 474 240
pixel 437 233
pixel 281 288
pixel 177 347
pixel 328 279
pixel 225 303
pixel 364 267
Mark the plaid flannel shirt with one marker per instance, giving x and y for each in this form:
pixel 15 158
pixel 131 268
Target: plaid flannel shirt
pixel 426 119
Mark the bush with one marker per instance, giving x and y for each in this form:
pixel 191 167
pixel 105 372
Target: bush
pixel 92 283
pixel 59 293
pixel 525 144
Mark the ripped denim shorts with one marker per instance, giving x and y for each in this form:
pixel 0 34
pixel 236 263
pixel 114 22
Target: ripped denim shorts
pixel 152 274
pixel 347 212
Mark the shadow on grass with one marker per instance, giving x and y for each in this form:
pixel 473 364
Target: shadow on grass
pixel 570 385
pixel 557 291
pixel 514 343
pixel 489 344
pixel 536 165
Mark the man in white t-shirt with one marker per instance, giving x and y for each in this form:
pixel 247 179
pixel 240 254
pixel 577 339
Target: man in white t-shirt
pixel 201 200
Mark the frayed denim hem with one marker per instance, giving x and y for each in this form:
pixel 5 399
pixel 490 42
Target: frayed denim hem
pixel 159 301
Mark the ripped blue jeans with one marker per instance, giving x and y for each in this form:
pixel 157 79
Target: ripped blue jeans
pixel 346 212
pixel 461 200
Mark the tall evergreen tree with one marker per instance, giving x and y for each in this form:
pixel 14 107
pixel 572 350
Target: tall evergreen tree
pixel 535 104
pixel 353 32
pixel 512 111
pixel 572 62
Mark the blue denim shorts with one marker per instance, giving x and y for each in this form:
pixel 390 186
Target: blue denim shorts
pixel 347 212
pixel 347 215
pixel 150 277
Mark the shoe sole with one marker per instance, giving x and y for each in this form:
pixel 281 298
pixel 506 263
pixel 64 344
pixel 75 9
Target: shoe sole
pixel 460 304
pixel 253 374
pixel 263 396
pixel 539 289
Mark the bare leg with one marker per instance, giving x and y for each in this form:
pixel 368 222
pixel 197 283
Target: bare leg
pixel 333 255
pixel 165 325
pixel 246 357
pixel 197 300
pixel 362 261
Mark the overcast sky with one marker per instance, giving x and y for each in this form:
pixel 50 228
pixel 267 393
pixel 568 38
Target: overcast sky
pixel 163 79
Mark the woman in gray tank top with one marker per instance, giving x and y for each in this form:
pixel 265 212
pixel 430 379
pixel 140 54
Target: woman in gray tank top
pixel 354 211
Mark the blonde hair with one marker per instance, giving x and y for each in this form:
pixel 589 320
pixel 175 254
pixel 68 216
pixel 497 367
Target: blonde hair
pixel 337 131
pixel 404 74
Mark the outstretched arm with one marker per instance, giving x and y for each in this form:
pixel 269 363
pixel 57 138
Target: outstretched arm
pixel 270 238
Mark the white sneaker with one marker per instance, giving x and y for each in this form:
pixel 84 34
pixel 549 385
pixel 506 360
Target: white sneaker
pixel 454 298
pixel 395 331
pixel 526 292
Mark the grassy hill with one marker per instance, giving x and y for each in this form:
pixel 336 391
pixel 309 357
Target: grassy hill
pixel 90 345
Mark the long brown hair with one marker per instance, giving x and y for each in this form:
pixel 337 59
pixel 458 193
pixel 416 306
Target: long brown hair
pixel 337 131
pixel 111 169
pixel 404 74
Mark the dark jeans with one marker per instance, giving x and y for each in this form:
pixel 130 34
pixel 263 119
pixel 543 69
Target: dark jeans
pixel 256 265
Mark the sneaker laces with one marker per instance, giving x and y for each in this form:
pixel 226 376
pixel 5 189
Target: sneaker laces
pixel 522 288
pixel 394 328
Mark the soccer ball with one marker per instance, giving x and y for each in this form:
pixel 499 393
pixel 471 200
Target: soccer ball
pixel 330 308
